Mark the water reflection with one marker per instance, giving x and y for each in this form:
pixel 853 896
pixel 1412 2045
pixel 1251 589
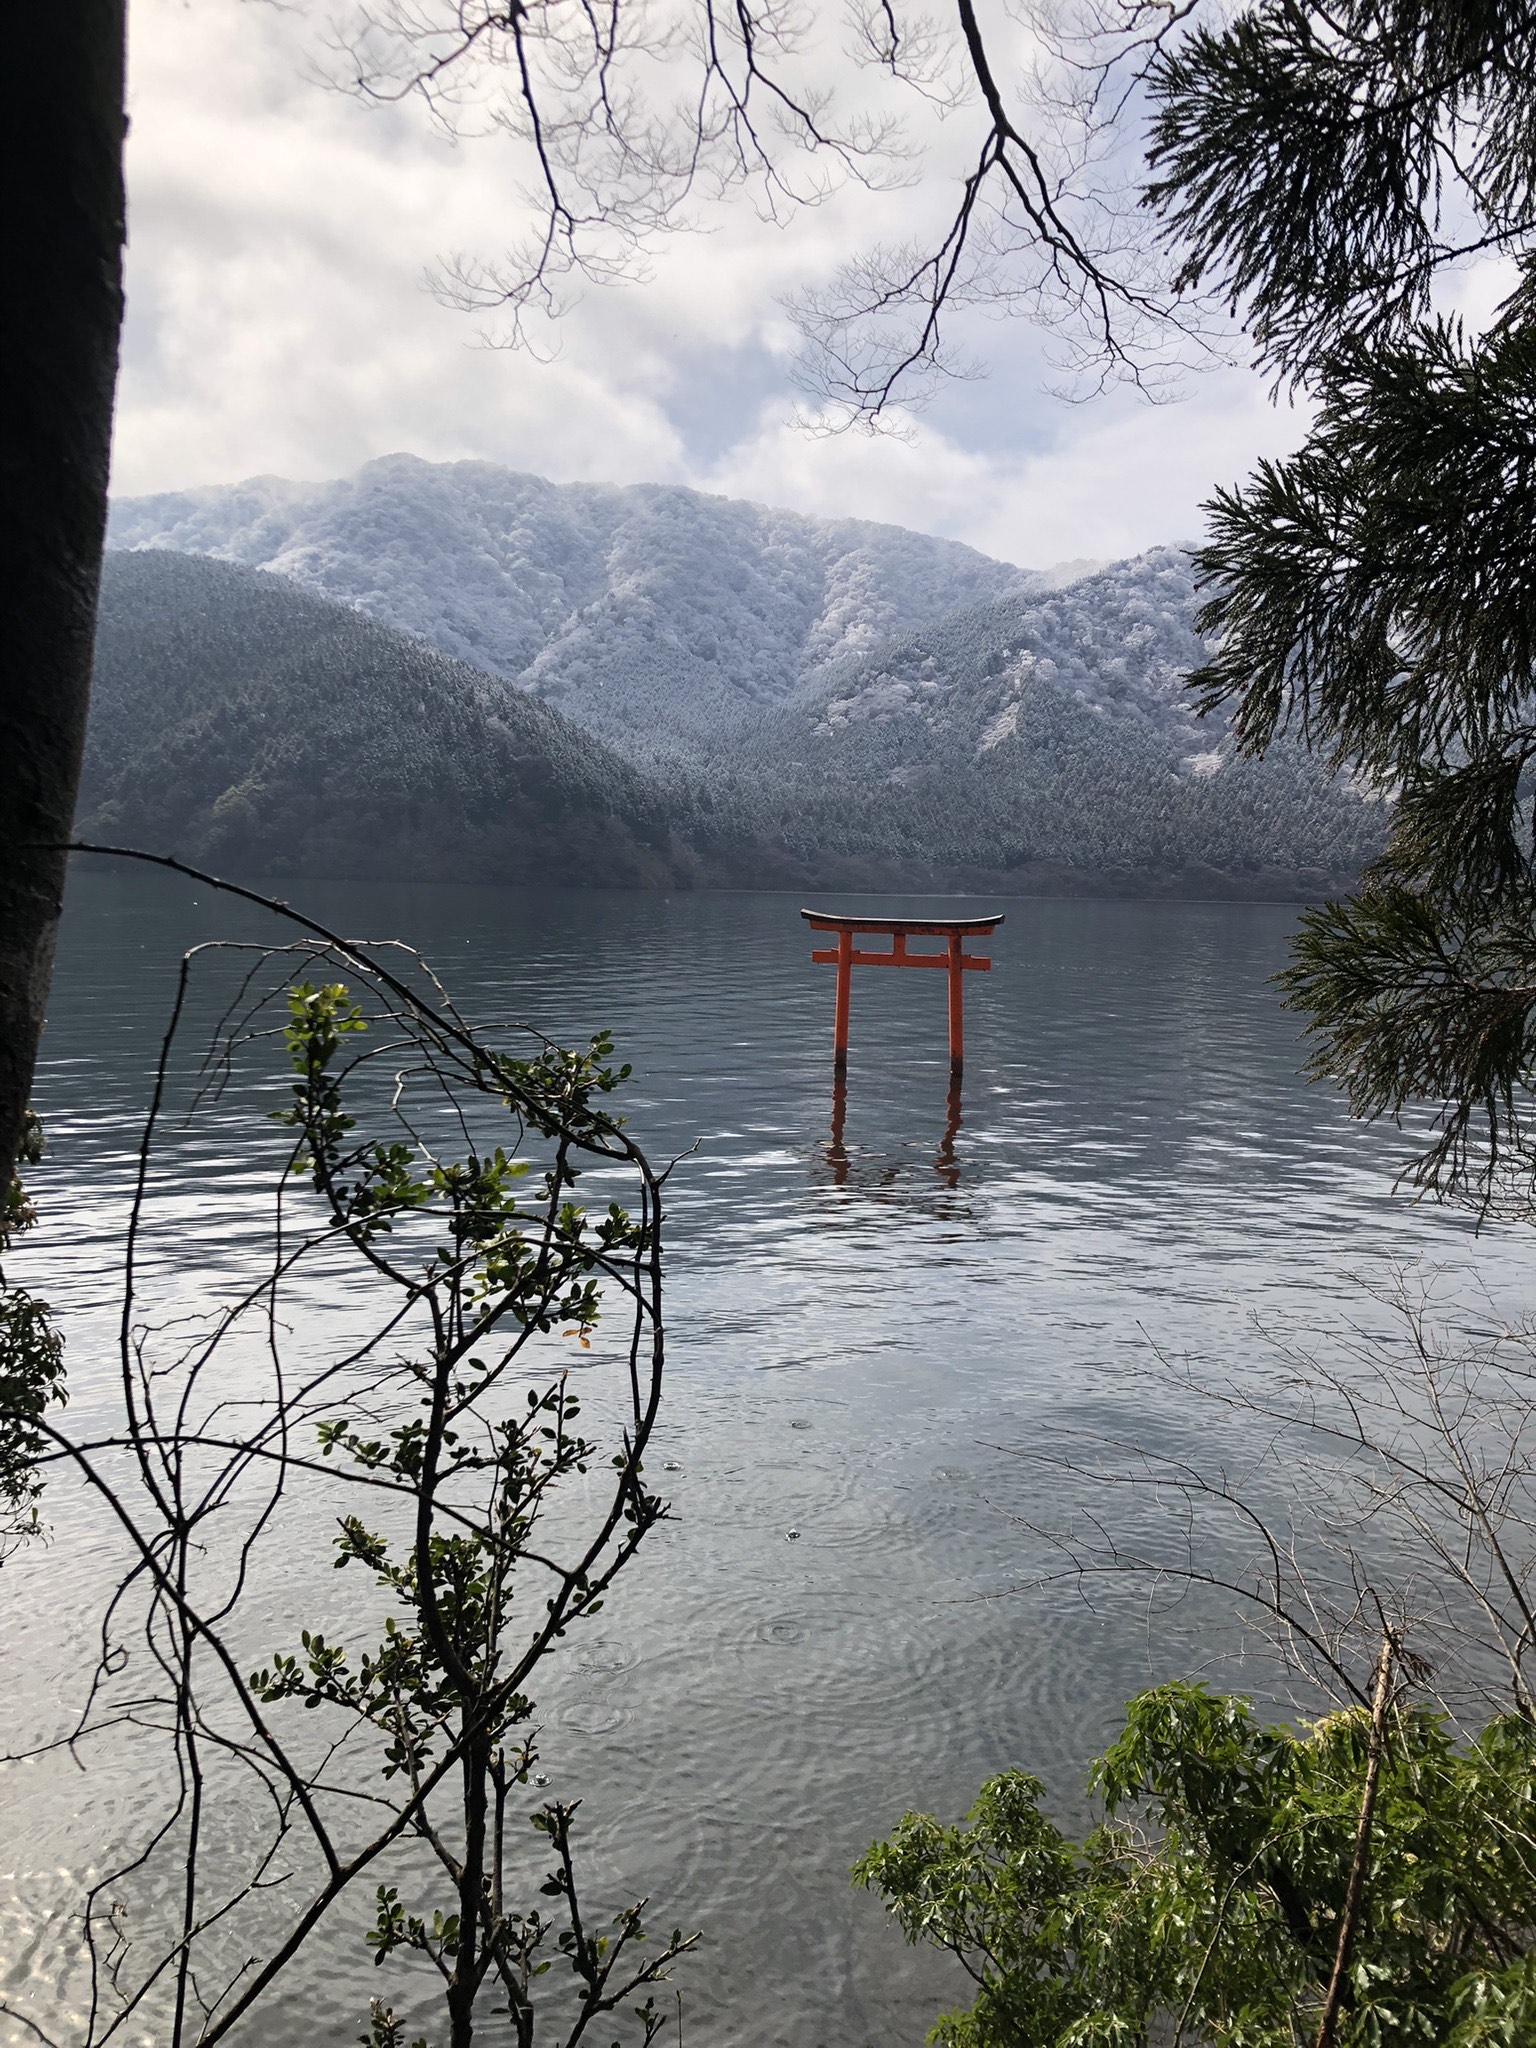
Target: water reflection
pixel 837 1151
pixel 945 1164
pixel 885 1172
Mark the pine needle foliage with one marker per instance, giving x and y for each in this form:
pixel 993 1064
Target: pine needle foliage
pixel 1320 165
pixel 1375 593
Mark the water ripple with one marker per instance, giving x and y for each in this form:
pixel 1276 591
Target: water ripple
pixel 877 1299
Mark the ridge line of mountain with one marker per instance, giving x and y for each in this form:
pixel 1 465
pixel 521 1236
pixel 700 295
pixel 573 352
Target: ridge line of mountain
pixel 729 705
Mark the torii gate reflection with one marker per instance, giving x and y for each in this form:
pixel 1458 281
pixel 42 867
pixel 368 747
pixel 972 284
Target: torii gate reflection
pixel 945 1164
pixel 955 962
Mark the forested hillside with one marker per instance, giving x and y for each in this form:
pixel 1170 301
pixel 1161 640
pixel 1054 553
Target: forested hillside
pixel 240 720
pixel 1041 738
pixel 655 616
pixel 734 718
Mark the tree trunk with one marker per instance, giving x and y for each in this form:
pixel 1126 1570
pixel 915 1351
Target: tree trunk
pixel 464 1987
pixel 1354 1893
pixel 61 153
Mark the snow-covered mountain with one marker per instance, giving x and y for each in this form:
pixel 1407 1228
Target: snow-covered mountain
pixel 1118 643
pixel 1043 735
pixel 654 616
pixel 761 696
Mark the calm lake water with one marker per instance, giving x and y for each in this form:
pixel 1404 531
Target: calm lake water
pixel 866 1329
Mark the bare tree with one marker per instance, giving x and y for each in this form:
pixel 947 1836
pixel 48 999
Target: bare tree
pixel 628 119
pixel 425 1184
pixel 1377 1483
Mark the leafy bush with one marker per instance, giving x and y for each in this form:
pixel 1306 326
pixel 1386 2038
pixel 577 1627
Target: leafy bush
pixel 1207 1904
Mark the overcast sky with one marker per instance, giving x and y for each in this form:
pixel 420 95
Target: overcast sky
pixel 278 324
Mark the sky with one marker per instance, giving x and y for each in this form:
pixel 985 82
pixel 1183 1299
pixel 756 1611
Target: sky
pixel 279 324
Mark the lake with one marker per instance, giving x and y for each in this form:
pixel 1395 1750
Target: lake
pixel 867 1326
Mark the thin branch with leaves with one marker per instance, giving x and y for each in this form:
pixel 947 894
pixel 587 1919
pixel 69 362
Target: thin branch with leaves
pixel 387 1364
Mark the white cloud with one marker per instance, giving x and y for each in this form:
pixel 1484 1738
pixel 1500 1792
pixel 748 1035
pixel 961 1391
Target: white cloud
pixel 1476 291
pixel 1119 478
pixel 278 323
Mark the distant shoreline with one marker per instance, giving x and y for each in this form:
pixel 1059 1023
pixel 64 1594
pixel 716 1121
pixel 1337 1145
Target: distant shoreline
pixel 1041 881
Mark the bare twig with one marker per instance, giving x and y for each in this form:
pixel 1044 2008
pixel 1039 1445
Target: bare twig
pixel 1354 1894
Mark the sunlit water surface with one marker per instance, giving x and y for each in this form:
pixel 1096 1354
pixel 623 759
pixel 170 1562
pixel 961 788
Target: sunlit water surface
pixel 866 1328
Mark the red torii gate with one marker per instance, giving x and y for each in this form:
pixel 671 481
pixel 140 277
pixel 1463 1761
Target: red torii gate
pixel 954 960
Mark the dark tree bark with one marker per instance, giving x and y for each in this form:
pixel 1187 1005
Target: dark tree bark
pixel 61 154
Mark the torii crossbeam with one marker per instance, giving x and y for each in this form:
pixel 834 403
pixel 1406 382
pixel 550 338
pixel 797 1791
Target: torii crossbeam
pixel 954 960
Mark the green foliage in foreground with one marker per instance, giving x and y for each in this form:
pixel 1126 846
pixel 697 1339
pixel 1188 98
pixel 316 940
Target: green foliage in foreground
pixel 31 1366
pixel 477 1576
pixel 1206 1905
